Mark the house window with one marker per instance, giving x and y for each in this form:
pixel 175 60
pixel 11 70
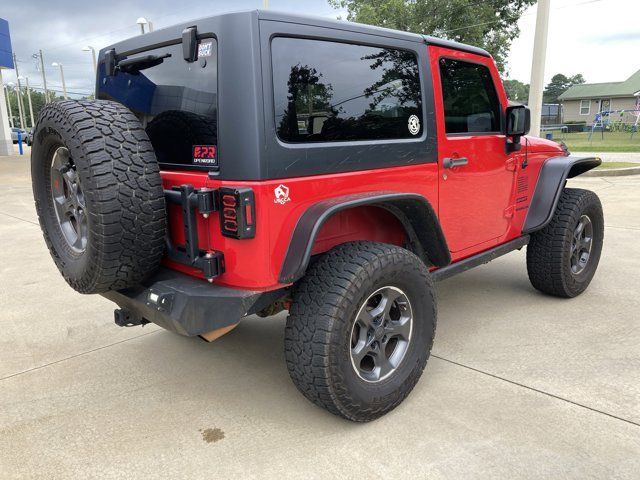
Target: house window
pixel 585 107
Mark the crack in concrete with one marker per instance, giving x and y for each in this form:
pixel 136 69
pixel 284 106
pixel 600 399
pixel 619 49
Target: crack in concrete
pixel 548 394
pixel 77 355
pixel 18 218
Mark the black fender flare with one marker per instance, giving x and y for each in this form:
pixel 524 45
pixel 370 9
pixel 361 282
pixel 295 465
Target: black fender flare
pixel 414 212
pixel 551 181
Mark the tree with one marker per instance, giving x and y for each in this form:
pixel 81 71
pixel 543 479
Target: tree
pixel 37 100
pixel 558 85
pixel 490 24
pixel 516 90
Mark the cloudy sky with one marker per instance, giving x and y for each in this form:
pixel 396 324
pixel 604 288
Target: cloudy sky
pixel 598 38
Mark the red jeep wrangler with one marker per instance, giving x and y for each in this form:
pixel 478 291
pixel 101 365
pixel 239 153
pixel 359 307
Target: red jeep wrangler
pixel 256 162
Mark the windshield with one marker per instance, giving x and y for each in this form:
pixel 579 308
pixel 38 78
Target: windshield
pixel 176 100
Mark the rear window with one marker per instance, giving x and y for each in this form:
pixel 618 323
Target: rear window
pixel 177 102
pixel 328 92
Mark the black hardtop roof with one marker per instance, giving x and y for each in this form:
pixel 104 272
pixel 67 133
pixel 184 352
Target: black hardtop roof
pixel 271 15
pixel 367 29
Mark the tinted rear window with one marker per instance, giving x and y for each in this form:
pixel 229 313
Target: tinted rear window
pixel 176 100
pixel 327 91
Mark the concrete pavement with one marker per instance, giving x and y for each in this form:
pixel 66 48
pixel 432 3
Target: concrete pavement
pixel 519 385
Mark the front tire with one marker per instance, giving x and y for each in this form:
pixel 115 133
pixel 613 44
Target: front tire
pixel 562 258
pixel 360 329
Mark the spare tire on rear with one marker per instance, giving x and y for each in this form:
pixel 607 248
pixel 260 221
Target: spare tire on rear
pixel 98 194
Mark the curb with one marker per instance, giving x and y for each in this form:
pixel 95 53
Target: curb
pixel 612 172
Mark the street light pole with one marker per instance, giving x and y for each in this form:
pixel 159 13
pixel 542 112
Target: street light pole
pixel 142 22
pixel 20 105
pixel 30 104
pixel 537 66
pixel 93 56
pixel 64 85
pixel 265 4
pixel 6 94
pixel 20 110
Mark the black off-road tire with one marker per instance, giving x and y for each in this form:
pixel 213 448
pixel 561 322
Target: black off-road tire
pixel 115 165
pixel 549 250
pixel 319 328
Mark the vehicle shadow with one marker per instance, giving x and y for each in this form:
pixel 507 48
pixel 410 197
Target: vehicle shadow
pixel 246 370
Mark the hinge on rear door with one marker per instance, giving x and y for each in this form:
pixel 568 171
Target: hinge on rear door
pixel 205 201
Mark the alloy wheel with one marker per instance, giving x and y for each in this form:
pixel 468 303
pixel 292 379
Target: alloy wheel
pixel 381 334
pixel 68 200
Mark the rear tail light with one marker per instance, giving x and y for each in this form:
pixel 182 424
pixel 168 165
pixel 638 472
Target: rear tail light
pixel 237 212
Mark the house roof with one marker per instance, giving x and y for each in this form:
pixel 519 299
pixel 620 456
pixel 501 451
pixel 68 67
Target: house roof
pixel 627 88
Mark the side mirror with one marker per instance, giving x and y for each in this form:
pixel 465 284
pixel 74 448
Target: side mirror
pixel 518 120
pixel 518 123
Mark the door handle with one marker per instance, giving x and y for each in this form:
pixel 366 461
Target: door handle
pixel 454 162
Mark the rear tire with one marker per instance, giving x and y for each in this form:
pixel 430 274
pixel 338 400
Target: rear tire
pixel 360 329
pixel 98 194
pixel 562 258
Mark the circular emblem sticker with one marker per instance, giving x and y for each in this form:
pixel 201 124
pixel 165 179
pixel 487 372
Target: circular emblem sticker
pixel 414 124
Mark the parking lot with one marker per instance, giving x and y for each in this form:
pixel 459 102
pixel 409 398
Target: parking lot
pixel 519 385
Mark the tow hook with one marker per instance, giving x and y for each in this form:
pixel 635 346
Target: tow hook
pixel 123 318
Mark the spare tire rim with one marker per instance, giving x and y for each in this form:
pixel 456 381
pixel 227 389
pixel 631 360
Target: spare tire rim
pixel 381 334
pixel 68 200
pixel 581 244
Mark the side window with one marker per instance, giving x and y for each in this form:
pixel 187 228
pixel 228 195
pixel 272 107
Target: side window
pixel 328 92
pixel 469 96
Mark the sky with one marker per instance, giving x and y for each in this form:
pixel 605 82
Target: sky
pixel 598 38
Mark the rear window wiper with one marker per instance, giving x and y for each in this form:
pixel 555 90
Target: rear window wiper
pixel 134 65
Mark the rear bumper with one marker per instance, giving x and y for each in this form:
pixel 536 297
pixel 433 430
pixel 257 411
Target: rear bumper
pixel 187 305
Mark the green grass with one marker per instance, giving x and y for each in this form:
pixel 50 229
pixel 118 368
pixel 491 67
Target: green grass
pixel 612 142
pixel 618 165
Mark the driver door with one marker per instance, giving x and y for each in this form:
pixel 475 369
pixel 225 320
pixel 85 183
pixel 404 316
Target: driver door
pixel 476 174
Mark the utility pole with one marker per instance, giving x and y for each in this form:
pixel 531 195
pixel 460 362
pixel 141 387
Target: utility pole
pixel 30 104
pixel 44 78
pixel 20 106
pixel 6 94
pixel 537 65
pixel 265 4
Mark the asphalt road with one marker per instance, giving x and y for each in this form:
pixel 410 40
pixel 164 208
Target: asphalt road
pixel 519 385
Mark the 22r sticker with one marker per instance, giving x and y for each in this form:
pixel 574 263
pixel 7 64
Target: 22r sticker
pixel 204 49
pixel 204 155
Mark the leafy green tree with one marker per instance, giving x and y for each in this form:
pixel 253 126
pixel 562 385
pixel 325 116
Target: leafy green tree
pixel 490 24
pixel 37 100
pixel 516 90
pixel 559 84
